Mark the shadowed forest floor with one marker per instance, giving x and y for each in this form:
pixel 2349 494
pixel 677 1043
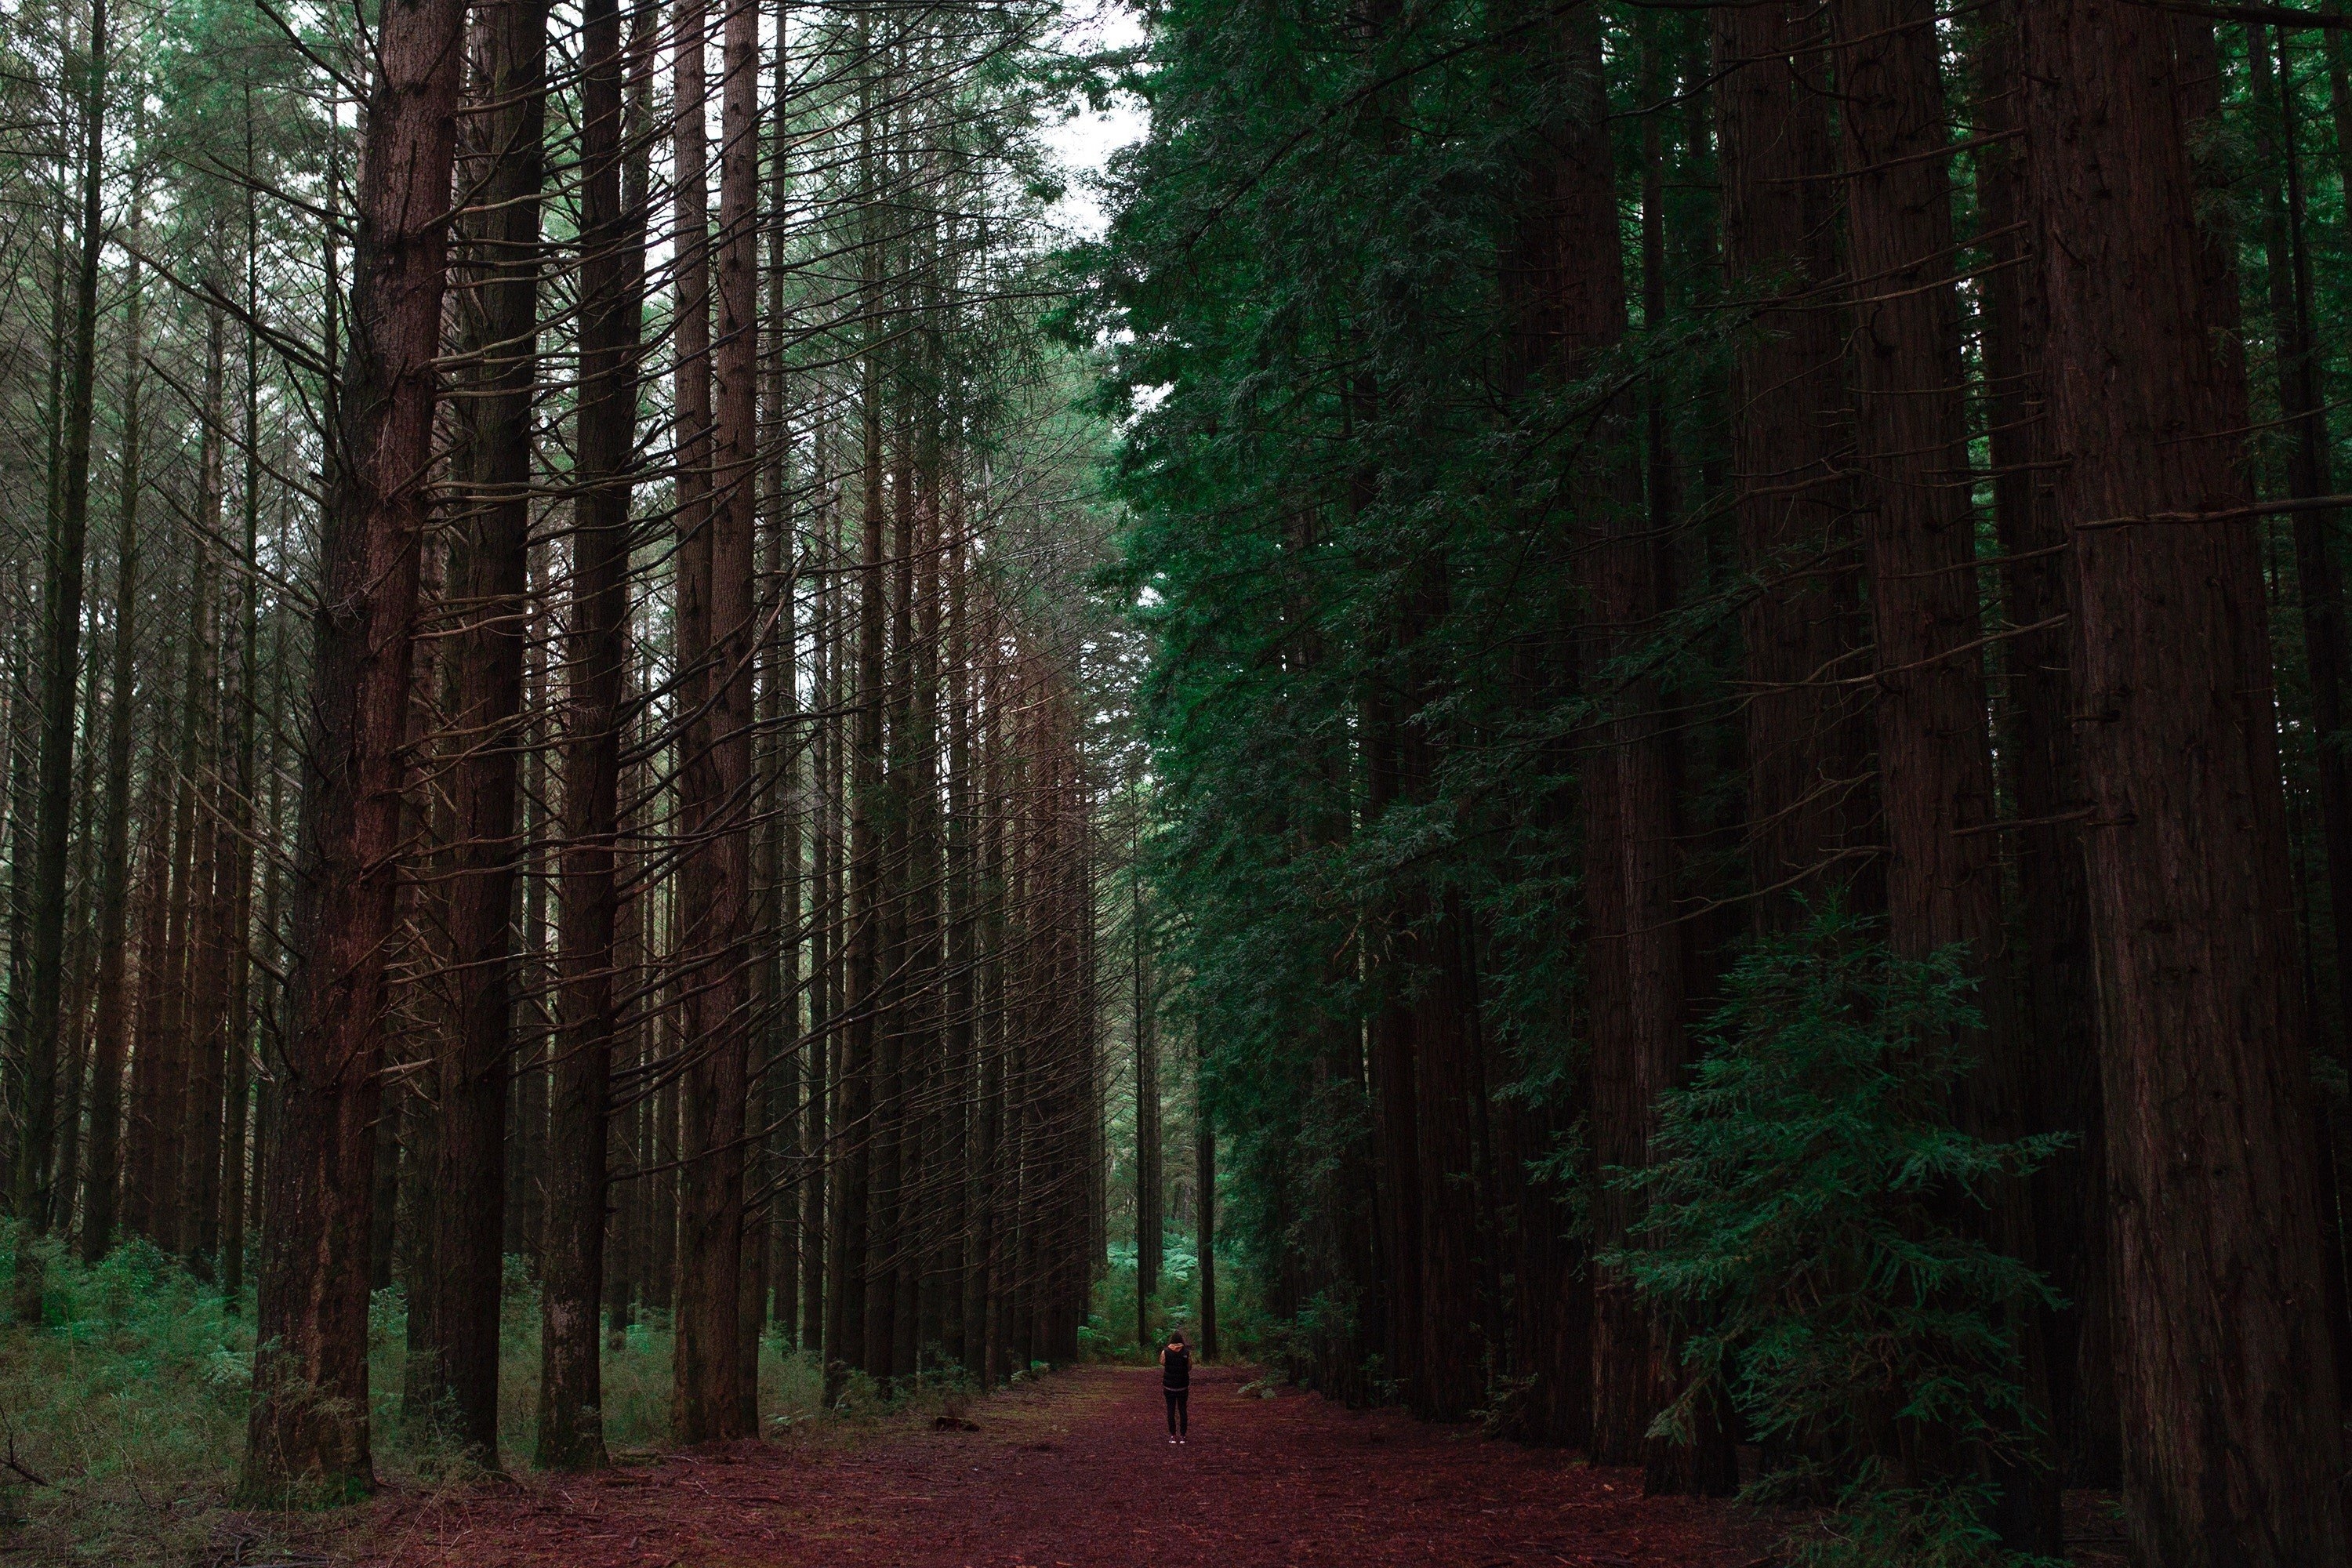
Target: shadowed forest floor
pixel 1076 1472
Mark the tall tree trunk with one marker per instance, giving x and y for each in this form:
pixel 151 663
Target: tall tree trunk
pixel 241 787
pixel 710 1222
pixel 1576 310
pixel 25 712
pixel 612 246
pixel 986 1291
pixel 309 1427
pixel 41 1036
pixel 967 1329
pixel 714 1216
pixel 490 577
pixel 1935 761
pixel 2319 579
pixel 81 956
pixel 110 1031
pixel 177 1069
pixel 889 1337
pixel 825 944
pixel 204 996
pixel 1396 1137
pixel 1148 1237
pixel 846 1311
pixel 785 797
pixel 921 1326
pixel 2230 1408
pixel 2056 984
pixel 1204 1168
pixel 143 1186
pixel 1809 798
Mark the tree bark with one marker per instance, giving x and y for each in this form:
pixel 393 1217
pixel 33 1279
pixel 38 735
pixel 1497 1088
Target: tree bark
pixel 612 264
pixel 142 1142
pixel 41 1034
pixel 2232 1439
pixel 1575 309
pixel 846 1310
pixel 476 1058
pixel 1935 761
pixel 714 1216
pixel 110 1031
pixel 825 944
pixel 1810 796
pixel 202 998
pixel 2056 983
pixel 1146 1119
pixel 308 1425
pixel 1204 1166
pixel 235 1185
pixel 790 1087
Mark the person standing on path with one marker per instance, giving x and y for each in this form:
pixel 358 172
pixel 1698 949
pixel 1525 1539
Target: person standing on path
pixel 1176 1381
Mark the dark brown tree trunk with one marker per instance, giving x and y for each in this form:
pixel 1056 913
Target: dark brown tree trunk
pixel 309 1428
pixel 203 996
pixel 1396 1136
pixel 240 788
pixel 2233 1443
pixel 143 1124
pixel 1935 761
pixel 1576 310
pixel 846 1338
pixel 661 1132
pixel 490 575
pixel 825 944
pixel 922 1328
pixel 1808 796
pixel 2199 83
pixel 612 246
pixel 887 1269
pixel 709 1226
pixel 984 1293
pixel 111 1030
pixel 783 792
pixel 627 1267
pixel 967 1329
pixel 177 1067
pixel 2320 584
pixel 713 1217
pixel 1204 1167
pixel 1148 1238
pixel 81 942
pixel 2319 579
pixel 2056 984
pixel 42 1031
pixel 26 726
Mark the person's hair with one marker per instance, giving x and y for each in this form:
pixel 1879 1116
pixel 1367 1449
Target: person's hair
pixel 1175 1336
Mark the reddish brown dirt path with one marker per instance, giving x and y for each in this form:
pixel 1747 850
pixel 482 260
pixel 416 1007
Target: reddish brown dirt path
pixel 1078 1473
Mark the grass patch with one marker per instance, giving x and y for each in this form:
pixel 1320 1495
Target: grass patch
pixel 122 1415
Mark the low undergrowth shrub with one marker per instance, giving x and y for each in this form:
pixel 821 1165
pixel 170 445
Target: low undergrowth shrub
pixel 1109 1331
pixel 122 1415
pixel 120 1412
pixel 1817 1226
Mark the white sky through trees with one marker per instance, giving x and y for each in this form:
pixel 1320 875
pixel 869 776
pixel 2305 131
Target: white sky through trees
pixel 1084 143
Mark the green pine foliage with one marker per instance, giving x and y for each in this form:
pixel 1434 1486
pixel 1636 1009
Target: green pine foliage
pixel 1340 493
pixel 1816 1224
pixel 1108 1333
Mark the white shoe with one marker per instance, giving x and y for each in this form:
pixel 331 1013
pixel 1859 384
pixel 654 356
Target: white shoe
pixel 1171 1442
pixel 1180 1442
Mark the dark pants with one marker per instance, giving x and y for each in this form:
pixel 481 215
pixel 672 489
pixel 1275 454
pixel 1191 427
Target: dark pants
pixel 1177 1415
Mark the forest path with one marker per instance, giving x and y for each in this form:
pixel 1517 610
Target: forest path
pixel 1077 1472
